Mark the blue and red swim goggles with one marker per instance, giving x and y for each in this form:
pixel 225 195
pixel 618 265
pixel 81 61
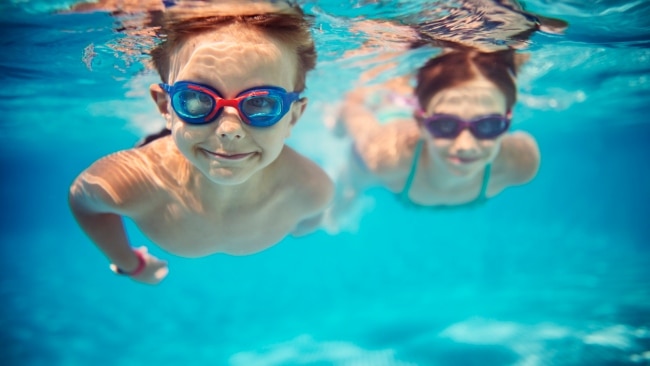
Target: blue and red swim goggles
pixel 261 106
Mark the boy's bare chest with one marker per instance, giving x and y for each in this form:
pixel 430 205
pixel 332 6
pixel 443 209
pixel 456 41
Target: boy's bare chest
pixel 199 231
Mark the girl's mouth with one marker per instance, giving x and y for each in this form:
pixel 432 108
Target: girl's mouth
pixel 463 160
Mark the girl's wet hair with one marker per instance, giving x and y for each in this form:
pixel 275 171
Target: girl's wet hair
pixel 291 28
pixel 456 67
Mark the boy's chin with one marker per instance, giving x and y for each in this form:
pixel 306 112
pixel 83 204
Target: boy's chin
pixel 227 176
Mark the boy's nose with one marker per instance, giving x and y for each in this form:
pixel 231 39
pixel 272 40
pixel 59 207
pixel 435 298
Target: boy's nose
pixel 229 125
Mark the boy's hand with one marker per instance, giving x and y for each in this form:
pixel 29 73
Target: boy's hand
pixel 155 270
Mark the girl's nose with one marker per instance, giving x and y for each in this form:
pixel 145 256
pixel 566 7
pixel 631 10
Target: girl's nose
pixel 465 143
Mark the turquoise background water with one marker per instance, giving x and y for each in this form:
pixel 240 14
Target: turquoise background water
pixel 556 272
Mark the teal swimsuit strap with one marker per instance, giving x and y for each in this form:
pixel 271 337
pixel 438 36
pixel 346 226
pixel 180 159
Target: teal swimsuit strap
pixel 486 180
pixel 414 167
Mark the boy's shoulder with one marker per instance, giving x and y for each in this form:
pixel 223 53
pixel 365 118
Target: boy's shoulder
pixel 307 182
pixel 126 178
pixel 146 159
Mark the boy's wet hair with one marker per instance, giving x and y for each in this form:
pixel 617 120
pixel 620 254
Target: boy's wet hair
pixel 291 28
pixel 456 67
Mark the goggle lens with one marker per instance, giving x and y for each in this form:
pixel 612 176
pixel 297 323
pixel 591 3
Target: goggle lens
pixel 261 107
pixel 445 127
pixel 488 127
pixel 192 104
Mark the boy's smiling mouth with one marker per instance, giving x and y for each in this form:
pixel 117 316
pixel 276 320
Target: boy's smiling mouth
pixel 224 155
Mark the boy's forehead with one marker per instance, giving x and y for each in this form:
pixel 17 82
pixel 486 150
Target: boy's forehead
pixel 234 44
pixel 234 7
pixel 227 35
pixel 232 48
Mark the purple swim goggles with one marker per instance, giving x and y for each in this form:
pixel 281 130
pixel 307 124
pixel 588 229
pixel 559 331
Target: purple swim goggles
pixel 447 126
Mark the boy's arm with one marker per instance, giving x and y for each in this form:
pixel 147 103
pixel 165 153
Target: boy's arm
pixel 317 194
pixel 104 228
pixel 308 226
pixel 98 201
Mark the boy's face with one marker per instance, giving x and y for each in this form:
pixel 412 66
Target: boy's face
pixel 231 60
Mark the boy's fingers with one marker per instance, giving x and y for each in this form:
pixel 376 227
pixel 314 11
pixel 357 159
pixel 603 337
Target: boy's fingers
pixel 161 273
pixel 159 263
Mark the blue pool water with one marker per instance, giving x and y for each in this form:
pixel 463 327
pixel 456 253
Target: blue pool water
pixel 556 272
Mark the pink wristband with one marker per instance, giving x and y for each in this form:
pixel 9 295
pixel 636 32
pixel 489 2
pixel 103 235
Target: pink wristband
pixel 141 264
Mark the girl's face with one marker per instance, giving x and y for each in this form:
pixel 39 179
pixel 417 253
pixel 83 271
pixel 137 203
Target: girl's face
pixel 465 155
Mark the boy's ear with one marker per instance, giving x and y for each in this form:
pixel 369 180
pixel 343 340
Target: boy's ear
pixel 159 97
pixel 298 109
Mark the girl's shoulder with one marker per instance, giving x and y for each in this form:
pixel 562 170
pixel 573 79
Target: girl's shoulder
pixel 519 158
